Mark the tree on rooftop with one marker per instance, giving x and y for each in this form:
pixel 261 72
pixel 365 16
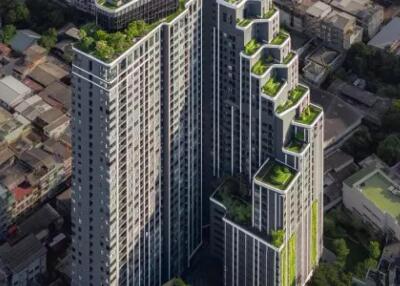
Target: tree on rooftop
pixel 330 274
pixel 8 33
pixel 103 50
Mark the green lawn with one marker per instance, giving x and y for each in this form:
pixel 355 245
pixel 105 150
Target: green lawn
pixel 288 58
pixel 295 146
pixel 270 13
pixel 308 115
pixel 279 38
pixel 276 175
pixel 243 22
pixel 376 190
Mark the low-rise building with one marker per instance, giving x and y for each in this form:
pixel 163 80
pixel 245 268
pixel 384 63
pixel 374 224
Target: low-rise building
pixel 32 107
pixel 23 262
pixel 369 15
pixel 12 126
pixel 52 123
pixel 388 37
pixel 12 92
pixel 374 195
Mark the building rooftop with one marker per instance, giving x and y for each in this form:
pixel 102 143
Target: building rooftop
pixel 12 91
pixel 32 107
pixel 376 186
pixel 388 35
pixel 18 256
pixel 319 9
pixel 58 94
pixel 276 174
pixel 23 40
pixel 340 117
pixel 337 160
pixel 235 196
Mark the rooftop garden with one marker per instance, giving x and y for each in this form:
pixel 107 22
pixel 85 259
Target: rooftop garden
pixel 276 174
pixel 294 96
pixel 261 66
pixel 279 38
pixel 272 86
pixel 309 114
pixel 295 146
pixel 251 47
pixel 108 46
pixel 243 22
pixel 288 58
pixel 233 195
pixel 270 13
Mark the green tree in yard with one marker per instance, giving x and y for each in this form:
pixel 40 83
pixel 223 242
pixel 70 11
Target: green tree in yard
pixel 49 39
pixel 330 275
pixel 15 12
pixel 8 33
pixel 341 250
pixel 389 149
pixel 374 250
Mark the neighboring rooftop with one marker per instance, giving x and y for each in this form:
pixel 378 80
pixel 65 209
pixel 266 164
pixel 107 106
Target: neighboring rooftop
pixel 377 188
pixel 12 91
pixel 276 174
pixel 18 256
pixel 23 40
pixel 388 36
pixel 319 10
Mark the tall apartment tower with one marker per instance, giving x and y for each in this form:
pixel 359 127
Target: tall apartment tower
pixel 266 216
pixel 137 174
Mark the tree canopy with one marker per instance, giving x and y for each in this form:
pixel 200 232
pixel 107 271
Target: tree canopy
pixel 389 149
pixel 8 33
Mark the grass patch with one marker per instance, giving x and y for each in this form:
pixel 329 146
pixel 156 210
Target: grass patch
pixel 276 175
pixel 294 96
pixel 251 47
pixel 295 146
pixel 269 13
pixel 272 86
pixel 309 114
pixel 277 237
pixel 279 38
pixel 243 22
pixel 288 58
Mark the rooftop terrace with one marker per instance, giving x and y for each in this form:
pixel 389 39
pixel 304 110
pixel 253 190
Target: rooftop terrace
pixel 276 174
pixel 235 197
pixel 108 46
pixel 377 189
pixel 309 115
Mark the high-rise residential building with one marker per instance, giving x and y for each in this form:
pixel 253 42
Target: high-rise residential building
pixel 136 131
pixel 266 216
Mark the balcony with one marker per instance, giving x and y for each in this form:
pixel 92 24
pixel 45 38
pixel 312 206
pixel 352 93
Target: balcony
pixel 272 86
pixel 279 38
pixel 251 47
pixel 243 22
pixel 276 175
pixel 294 96
pixel 269 13
pixel 288 58
pixel 261 66
pixel 309 114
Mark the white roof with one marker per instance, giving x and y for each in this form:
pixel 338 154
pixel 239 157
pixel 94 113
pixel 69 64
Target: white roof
pixel 319 10
pixel 12 91
pixel 387 35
